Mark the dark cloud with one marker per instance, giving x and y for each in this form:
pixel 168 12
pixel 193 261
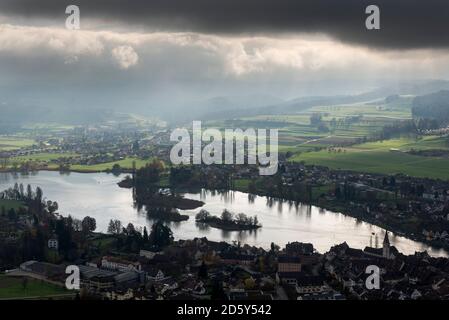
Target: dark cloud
pixel 404 23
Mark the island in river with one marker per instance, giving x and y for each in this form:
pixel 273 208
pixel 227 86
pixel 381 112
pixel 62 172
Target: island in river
pixel 228 221
pixel 160 199
pixel 166 214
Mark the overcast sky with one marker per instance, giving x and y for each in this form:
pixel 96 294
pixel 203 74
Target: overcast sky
pixel 153 54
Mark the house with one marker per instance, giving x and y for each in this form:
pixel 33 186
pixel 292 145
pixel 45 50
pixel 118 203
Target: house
pixel 112 263
pixel 148 254
pixel 322 296
pixel 48 270
pixel 303 283
pixel 155 275
pixel 120 295
pixel 53 244
pixel 168 284
pixel 96 279
pixel 128 278
pixel 233 258
pixel 311 285
pixel 287 277
pixel 289 264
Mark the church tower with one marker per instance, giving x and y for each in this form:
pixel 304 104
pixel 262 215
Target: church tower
pixel 386 246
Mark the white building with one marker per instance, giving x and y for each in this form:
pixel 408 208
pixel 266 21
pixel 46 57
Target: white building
pixel 53 244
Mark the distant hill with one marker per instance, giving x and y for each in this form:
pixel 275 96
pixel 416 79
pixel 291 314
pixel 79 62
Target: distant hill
pixel 206 109
pixel 17 114
pixel 75 110
pixel 432 106
pixel 304 103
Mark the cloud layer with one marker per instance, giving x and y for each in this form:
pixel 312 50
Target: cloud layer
pixel 404 23
pixel 177 55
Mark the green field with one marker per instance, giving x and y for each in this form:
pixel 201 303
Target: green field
pixel 104 243
pixel 8 143
pixel 386 157
pixel 12 287
pixel 347 124
pixel 43 157
pixel 49 157
pixel 242 184
pixel 125 163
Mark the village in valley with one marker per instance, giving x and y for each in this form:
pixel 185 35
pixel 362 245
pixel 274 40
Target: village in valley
pixel 199 269
pixel 126 261
pixel 131 262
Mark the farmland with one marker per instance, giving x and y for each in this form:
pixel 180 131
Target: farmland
pixel 125 164
pixel 43 157
pixel 341 124
pixel 387 157
pixel 339 143
pixel 14 287
pixel 8 143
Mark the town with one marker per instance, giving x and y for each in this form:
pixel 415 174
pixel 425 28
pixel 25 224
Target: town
pixel 133 263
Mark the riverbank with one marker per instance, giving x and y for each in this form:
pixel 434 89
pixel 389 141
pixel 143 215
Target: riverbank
pixel 394 229
pixel 229 227
pixel 56 169
pixel 98 196
pixel 341 208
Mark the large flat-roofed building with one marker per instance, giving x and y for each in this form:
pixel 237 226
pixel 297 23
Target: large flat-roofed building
pixel 95 278
pixel 289 264
pixel 47 270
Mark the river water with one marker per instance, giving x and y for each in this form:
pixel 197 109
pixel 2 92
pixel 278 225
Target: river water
pixel 97 195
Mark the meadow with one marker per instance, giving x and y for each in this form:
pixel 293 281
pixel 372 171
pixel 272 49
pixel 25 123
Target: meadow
pixel 43 157
pixel 124 164
pixel 386 157
pixel 12 287
pixel 8 143
pixel 346 124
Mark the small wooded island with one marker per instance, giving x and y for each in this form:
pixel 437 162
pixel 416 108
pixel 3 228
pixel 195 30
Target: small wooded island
pixel 228 221
pixel 150 195
pixel 166 214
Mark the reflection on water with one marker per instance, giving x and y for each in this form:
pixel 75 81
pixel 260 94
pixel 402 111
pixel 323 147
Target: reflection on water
pixel 98 196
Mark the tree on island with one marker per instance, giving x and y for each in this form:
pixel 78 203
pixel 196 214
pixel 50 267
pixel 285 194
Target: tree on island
pixel 203 215
pixel 255 221
pixel 228 220
pixel 226 216
pixel 150 173
pixel 242 218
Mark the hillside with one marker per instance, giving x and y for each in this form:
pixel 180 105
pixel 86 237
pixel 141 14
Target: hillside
pixel 433 106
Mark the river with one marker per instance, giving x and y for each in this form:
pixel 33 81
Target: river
pixel 97 195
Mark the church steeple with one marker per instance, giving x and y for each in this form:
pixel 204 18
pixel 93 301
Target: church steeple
pixel 386 246
pixel 386 240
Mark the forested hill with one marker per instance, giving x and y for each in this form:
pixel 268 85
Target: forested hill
pixel 433 106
